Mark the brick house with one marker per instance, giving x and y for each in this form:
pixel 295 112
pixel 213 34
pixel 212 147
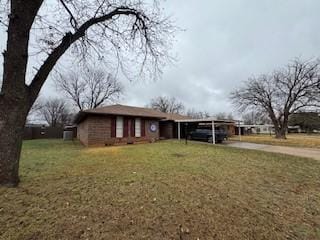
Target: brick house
pixel 119 124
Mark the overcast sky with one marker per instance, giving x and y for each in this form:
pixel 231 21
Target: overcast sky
pixel 226 42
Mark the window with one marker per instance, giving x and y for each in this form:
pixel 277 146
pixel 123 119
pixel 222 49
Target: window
pixel 119 127
pixel 137 129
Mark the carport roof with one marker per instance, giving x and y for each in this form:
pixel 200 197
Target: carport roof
pixel 206 120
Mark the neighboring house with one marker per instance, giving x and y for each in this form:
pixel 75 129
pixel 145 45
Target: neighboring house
pixel 294 129
pixel 264 129
pixel 119 124
pixel 255 129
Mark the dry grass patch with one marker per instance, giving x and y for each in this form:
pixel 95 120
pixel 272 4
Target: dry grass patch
pixel 161 191
pixel 293 140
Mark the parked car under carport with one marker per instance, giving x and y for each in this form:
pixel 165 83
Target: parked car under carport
pixel 206 135
pixel 224 128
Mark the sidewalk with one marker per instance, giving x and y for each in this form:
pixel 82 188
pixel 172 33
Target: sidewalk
pixel 295 151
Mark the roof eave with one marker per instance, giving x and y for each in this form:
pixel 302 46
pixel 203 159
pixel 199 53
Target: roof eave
pixel 81 115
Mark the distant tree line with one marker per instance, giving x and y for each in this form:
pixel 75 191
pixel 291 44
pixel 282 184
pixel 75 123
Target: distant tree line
pixel 172 105
pixel 255 118
pixel 93 89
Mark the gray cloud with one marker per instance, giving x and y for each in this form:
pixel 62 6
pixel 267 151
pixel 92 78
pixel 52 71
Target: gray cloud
pixel 226 42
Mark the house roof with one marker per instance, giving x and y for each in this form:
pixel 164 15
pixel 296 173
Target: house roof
pixel 174 116
pixel 122 110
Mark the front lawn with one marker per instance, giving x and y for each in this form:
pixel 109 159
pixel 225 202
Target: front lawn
pixel 165 190
pixel 293 140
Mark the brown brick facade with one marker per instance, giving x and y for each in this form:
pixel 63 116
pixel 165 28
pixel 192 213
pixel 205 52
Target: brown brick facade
pixel 166 129
pixel 231 130
pixel 96 131
pixel 82 132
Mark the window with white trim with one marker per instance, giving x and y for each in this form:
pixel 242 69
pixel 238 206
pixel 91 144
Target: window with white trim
pixel 119 127
pixel 137 128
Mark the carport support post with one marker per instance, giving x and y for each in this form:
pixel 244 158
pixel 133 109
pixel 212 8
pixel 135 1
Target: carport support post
pixel 186 132
pixel 239 131
pixel 179 136
pixel 213 134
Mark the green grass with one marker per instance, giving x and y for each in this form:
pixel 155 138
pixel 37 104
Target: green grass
pixel 151 191
pixel 293 140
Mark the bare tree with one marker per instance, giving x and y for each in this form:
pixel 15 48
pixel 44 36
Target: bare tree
pixel 282 93
pixel 37 105
pixel 167 105
pixel 221 116
pixel 197 114
pixel 254 117
pixel 90 88
pixel 55 112
pixel 230 116
pixel 224 116
pixel 127 34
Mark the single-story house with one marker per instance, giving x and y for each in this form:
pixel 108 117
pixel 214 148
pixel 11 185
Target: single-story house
pixel 119 124
pixel 263 129
pixel 247 129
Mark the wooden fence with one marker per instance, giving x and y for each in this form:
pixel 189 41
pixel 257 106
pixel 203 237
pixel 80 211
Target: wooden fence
pixel 42 132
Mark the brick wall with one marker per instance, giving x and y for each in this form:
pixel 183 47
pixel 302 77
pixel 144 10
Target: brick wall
pixel 96 131
pixel 231 130
pixel 82 132
pixel 99 130
pixel 166 129
pixel 149 134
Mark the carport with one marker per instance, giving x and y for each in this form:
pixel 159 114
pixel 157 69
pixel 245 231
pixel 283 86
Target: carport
pixel 212 122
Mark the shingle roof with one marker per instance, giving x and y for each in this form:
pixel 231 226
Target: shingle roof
pixel 174 116
pixel 123 110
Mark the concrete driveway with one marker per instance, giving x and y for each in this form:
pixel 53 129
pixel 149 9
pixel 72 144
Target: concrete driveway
pixel 295 151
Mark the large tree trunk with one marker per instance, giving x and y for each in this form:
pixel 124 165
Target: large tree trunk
pixel 281 133
pixel 15 100
pixel 277 127
pixel 280 125
pixel 12 120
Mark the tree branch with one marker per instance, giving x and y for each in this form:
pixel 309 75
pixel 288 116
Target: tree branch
pixel 73 21
pixel 66 42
